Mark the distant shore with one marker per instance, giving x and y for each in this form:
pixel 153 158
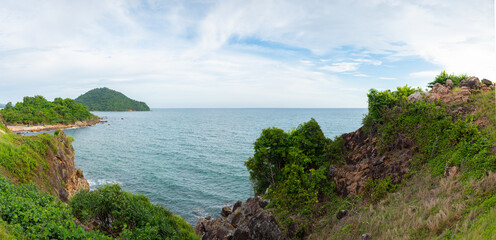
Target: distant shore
pixel 39 128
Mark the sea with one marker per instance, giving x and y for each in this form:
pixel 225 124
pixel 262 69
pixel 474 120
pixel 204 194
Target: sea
pixel 191 161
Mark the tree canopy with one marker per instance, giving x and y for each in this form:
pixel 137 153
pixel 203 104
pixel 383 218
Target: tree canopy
pixel 38 110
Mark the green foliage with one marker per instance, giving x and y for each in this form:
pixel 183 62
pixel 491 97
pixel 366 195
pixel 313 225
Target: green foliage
pixel 442 140
pixel 291 169
pixel 443 76
pixel 20 156
pixel 37 110
pixel 104 99
pixel 129 216
pixel 378 188
pixel 381 101
pixel 39 215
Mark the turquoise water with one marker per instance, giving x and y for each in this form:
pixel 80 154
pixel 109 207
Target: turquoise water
pixel 188 160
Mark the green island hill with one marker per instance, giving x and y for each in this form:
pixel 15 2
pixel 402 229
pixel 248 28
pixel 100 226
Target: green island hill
pixel 44 196
pixel 422 166
pixel 37 110
pixel 105 99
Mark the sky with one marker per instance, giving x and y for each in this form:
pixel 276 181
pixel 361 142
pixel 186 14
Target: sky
pixel 240 54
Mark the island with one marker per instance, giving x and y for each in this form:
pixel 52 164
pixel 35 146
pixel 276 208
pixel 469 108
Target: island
pixel 105 99
pixel 38 114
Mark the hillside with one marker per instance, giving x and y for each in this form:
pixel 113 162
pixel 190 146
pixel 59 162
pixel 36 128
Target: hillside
pixel 38 110
pixel 104 99
pixel 421 167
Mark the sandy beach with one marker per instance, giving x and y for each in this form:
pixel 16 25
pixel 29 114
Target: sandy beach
pixel 39 128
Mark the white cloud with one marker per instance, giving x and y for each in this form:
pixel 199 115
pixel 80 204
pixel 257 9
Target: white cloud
pixel 425 74
pixel 341 67
pixel 361 75
pixel 171 53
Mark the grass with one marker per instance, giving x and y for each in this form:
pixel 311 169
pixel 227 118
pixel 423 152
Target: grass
pixel 425 207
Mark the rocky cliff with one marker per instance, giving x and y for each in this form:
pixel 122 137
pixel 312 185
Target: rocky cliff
pixel 366 157
pixel 64 178
pixel 46 160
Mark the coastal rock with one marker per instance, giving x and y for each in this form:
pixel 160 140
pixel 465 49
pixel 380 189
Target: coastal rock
pixel 415 97
pixel 486 82
pixel 247 221
pixel 471 82
pixel 439 88
pixel 225 211
pixel 364 161
pixel 64 178
pixel 237 205
pixel 449 84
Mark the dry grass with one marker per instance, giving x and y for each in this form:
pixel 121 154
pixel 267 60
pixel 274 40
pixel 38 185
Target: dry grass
pixel 426 207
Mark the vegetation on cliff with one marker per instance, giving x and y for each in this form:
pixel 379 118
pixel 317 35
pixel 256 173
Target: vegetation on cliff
pixel 38 110
pixel 427 169
pixel 32 174
pixel 104 99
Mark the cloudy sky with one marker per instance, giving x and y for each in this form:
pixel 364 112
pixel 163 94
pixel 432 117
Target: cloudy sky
pixel 267 53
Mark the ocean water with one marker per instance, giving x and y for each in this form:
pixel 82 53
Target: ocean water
pixel 188 160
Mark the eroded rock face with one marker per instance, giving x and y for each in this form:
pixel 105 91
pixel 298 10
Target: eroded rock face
pixel 248 220
pixel 65 180
pixel 365 162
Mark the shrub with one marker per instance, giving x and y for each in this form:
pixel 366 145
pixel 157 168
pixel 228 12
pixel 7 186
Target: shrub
pixel 443 76
pixel 38 215
pixel 129 216
pixel 381 101
pixel 291 170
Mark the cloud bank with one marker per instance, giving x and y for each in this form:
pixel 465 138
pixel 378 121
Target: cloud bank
pixel 270 53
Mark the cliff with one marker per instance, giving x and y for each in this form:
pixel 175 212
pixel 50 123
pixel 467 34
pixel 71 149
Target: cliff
pixel 44 159
pixel 421 163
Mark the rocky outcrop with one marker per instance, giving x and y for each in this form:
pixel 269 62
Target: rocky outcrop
pixel 447 95
pixel 247 221
pixel 364 161
pixel 63 177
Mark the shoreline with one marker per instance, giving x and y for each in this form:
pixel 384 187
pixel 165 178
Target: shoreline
pixel 39 128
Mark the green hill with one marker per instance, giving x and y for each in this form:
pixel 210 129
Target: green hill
pixel 105 99
pixel 38 110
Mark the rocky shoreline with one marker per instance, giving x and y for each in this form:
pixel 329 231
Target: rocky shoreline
pixel 39 128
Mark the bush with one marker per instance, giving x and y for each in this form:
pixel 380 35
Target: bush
pixel 129 216
pixel 443 76
pixel 381 101
pixel 38 215
pixel 291 170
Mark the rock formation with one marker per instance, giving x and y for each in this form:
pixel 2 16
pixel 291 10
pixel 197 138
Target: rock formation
pixel 63 177
pixel 247 221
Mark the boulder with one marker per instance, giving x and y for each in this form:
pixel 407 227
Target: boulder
pixel 366 236
pixel 449 84
pixel 341 214
pixel 248 221
pixel 226 211
pixel 237 205
pixel 486 82
pixel 471 82
pixel 451 171
pixel 416 96
pixel 439 88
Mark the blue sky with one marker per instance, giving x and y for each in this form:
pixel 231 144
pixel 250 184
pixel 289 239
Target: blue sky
pixel 270 53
